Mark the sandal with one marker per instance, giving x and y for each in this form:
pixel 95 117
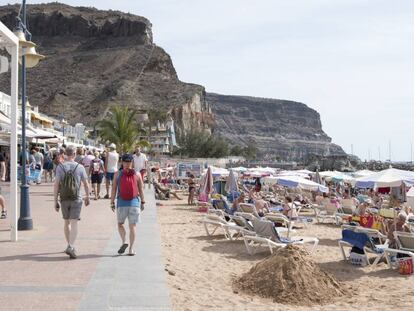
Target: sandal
pixel 131 252
pixel 122 249
pixel 3 215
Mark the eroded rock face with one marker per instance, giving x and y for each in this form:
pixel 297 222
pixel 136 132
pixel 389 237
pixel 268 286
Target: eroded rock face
pixel 279 128
pixel 95 59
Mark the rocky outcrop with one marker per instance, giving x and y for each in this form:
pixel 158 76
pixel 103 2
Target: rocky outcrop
pixel 95 59
pixel 280 129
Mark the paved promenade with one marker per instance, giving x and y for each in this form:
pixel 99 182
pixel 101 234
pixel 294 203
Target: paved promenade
pixel 37 275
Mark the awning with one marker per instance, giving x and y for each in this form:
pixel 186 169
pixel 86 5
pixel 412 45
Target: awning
pixel 41 118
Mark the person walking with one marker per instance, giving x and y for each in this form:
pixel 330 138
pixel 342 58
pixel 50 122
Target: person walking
pixel 127 188
pixel 39 159
pixel 111 167
pixel 96 171
pixel 48 166
pixel 79 155
pixel 86 161
pixel 140 162
pixel 68 198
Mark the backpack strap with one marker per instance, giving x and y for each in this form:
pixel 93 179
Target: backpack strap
pixel 75 168
pixel 63 167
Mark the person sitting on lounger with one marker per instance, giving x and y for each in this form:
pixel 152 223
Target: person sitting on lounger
pixel 399 225
pixel 262 207
pixel 289 208
pixel 236 203
pixel 165 191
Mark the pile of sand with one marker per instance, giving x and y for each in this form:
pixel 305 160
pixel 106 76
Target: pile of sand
pixel 290 276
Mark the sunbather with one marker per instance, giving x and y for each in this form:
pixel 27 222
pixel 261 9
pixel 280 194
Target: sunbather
pixel 236 203
pixel 398 225
pixel 289 208
pixel 166 191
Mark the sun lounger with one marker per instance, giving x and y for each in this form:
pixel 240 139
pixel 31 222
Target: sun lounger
pixel 217 222
pixel 267 235
pixel 374 234
pixel 232 226
pixel 328 211
pixel 277 218
pixel 405 244
pixel 363 241
pixel 248 208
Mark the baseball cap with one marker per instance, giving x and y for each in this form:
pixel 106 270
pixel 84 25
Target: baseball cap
pixel 127 157
pixel 113 146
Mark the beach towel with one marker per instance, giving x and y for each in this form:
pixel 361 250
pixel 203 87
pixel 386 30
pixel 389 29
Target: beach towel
pixel 357 239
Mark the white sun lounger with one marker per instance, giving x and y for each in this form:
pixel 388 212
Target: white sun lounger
pixel 405 243
pixel 267 235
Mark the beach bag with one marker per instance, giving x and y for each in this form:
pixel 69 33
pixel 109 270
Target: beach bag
pixel 203 197
pixel 69 189
pixel 358 259
pixel 406 266
pixel 128 189
pixel 96 167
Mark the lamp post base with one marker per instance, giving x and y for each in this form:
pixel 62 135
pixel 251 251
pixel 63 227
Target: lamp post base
pixel 25 220
pixel 25 224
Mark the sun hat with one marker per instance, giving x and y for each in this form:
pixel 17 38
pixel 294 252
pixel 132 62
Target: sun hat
pixel 127 157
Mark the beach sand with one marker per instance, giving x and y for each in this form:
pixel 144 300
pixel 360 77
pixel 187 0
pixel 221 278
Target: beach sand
pixel 200 269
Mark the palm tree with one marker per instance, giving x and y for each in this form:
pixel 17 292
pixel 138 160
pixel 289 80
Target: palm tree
pixel 120 128
pixel 144 143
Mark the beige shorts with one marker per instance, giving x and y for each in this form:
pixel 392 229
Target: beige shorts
pixel 71 209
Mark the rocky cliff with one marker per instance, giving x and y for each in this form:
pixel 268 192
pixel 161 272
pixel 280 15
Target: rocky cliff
pixel 279 128
pixel 97 58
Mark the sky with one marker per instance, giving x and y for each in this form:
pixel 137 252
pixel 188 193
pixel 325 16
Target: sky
pixel 351 60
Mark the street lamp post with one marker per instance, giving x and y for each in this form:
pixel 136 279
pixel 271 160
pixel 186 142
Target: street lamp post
pixel 63 124
pixel 29 58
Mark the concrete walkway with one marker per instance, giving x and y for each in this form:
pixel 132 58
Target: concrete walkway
pixel 36 275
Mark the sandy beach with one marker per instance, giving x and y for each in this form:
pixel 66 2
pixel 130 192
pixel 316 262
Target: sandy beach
pixel 201 269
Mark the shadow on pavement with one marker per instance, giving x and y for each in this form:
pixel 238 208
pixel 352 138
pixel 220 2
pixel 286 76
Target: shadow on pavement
pixel 42 257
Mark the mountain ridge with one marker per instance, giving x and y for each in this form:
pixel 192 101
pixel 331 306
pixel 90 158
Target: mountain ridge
pixel 97 58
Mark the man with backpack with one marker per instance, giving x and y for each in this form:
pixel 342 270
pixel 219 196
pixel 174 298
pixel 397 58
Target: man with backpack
pixel 68 197
pixel 127 187
pixel 96 171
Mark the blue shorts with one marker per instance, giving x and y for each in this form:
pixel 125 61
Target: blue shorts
pixel 110 176
pixel 128 209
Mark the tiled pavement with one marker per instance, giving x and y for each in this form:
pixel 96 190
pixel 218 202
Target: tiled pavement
pixel 36 275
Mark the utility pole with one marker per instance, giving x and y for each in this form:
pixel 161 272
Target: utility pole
pixel 379 153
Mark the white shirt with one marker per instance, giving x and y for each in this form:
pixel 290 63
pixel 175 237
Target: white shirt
pixel 139 162
pixel 112 159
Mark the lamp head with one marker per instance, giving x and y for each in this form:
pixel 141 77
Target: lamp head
pixel 32 58
pixel 28 49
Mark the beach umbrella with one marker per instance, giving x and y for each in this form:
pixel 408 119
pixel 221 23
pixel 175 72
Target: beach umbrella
pixel 231 183
pixel 218 171
pixel 295 182
pixel 256 174
pixel 239 169
pixel 263 170
pixel 362 173
pixel 410 197
pixel 318 178
pixel 207 185
pixel 386 178
pixel 301 173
